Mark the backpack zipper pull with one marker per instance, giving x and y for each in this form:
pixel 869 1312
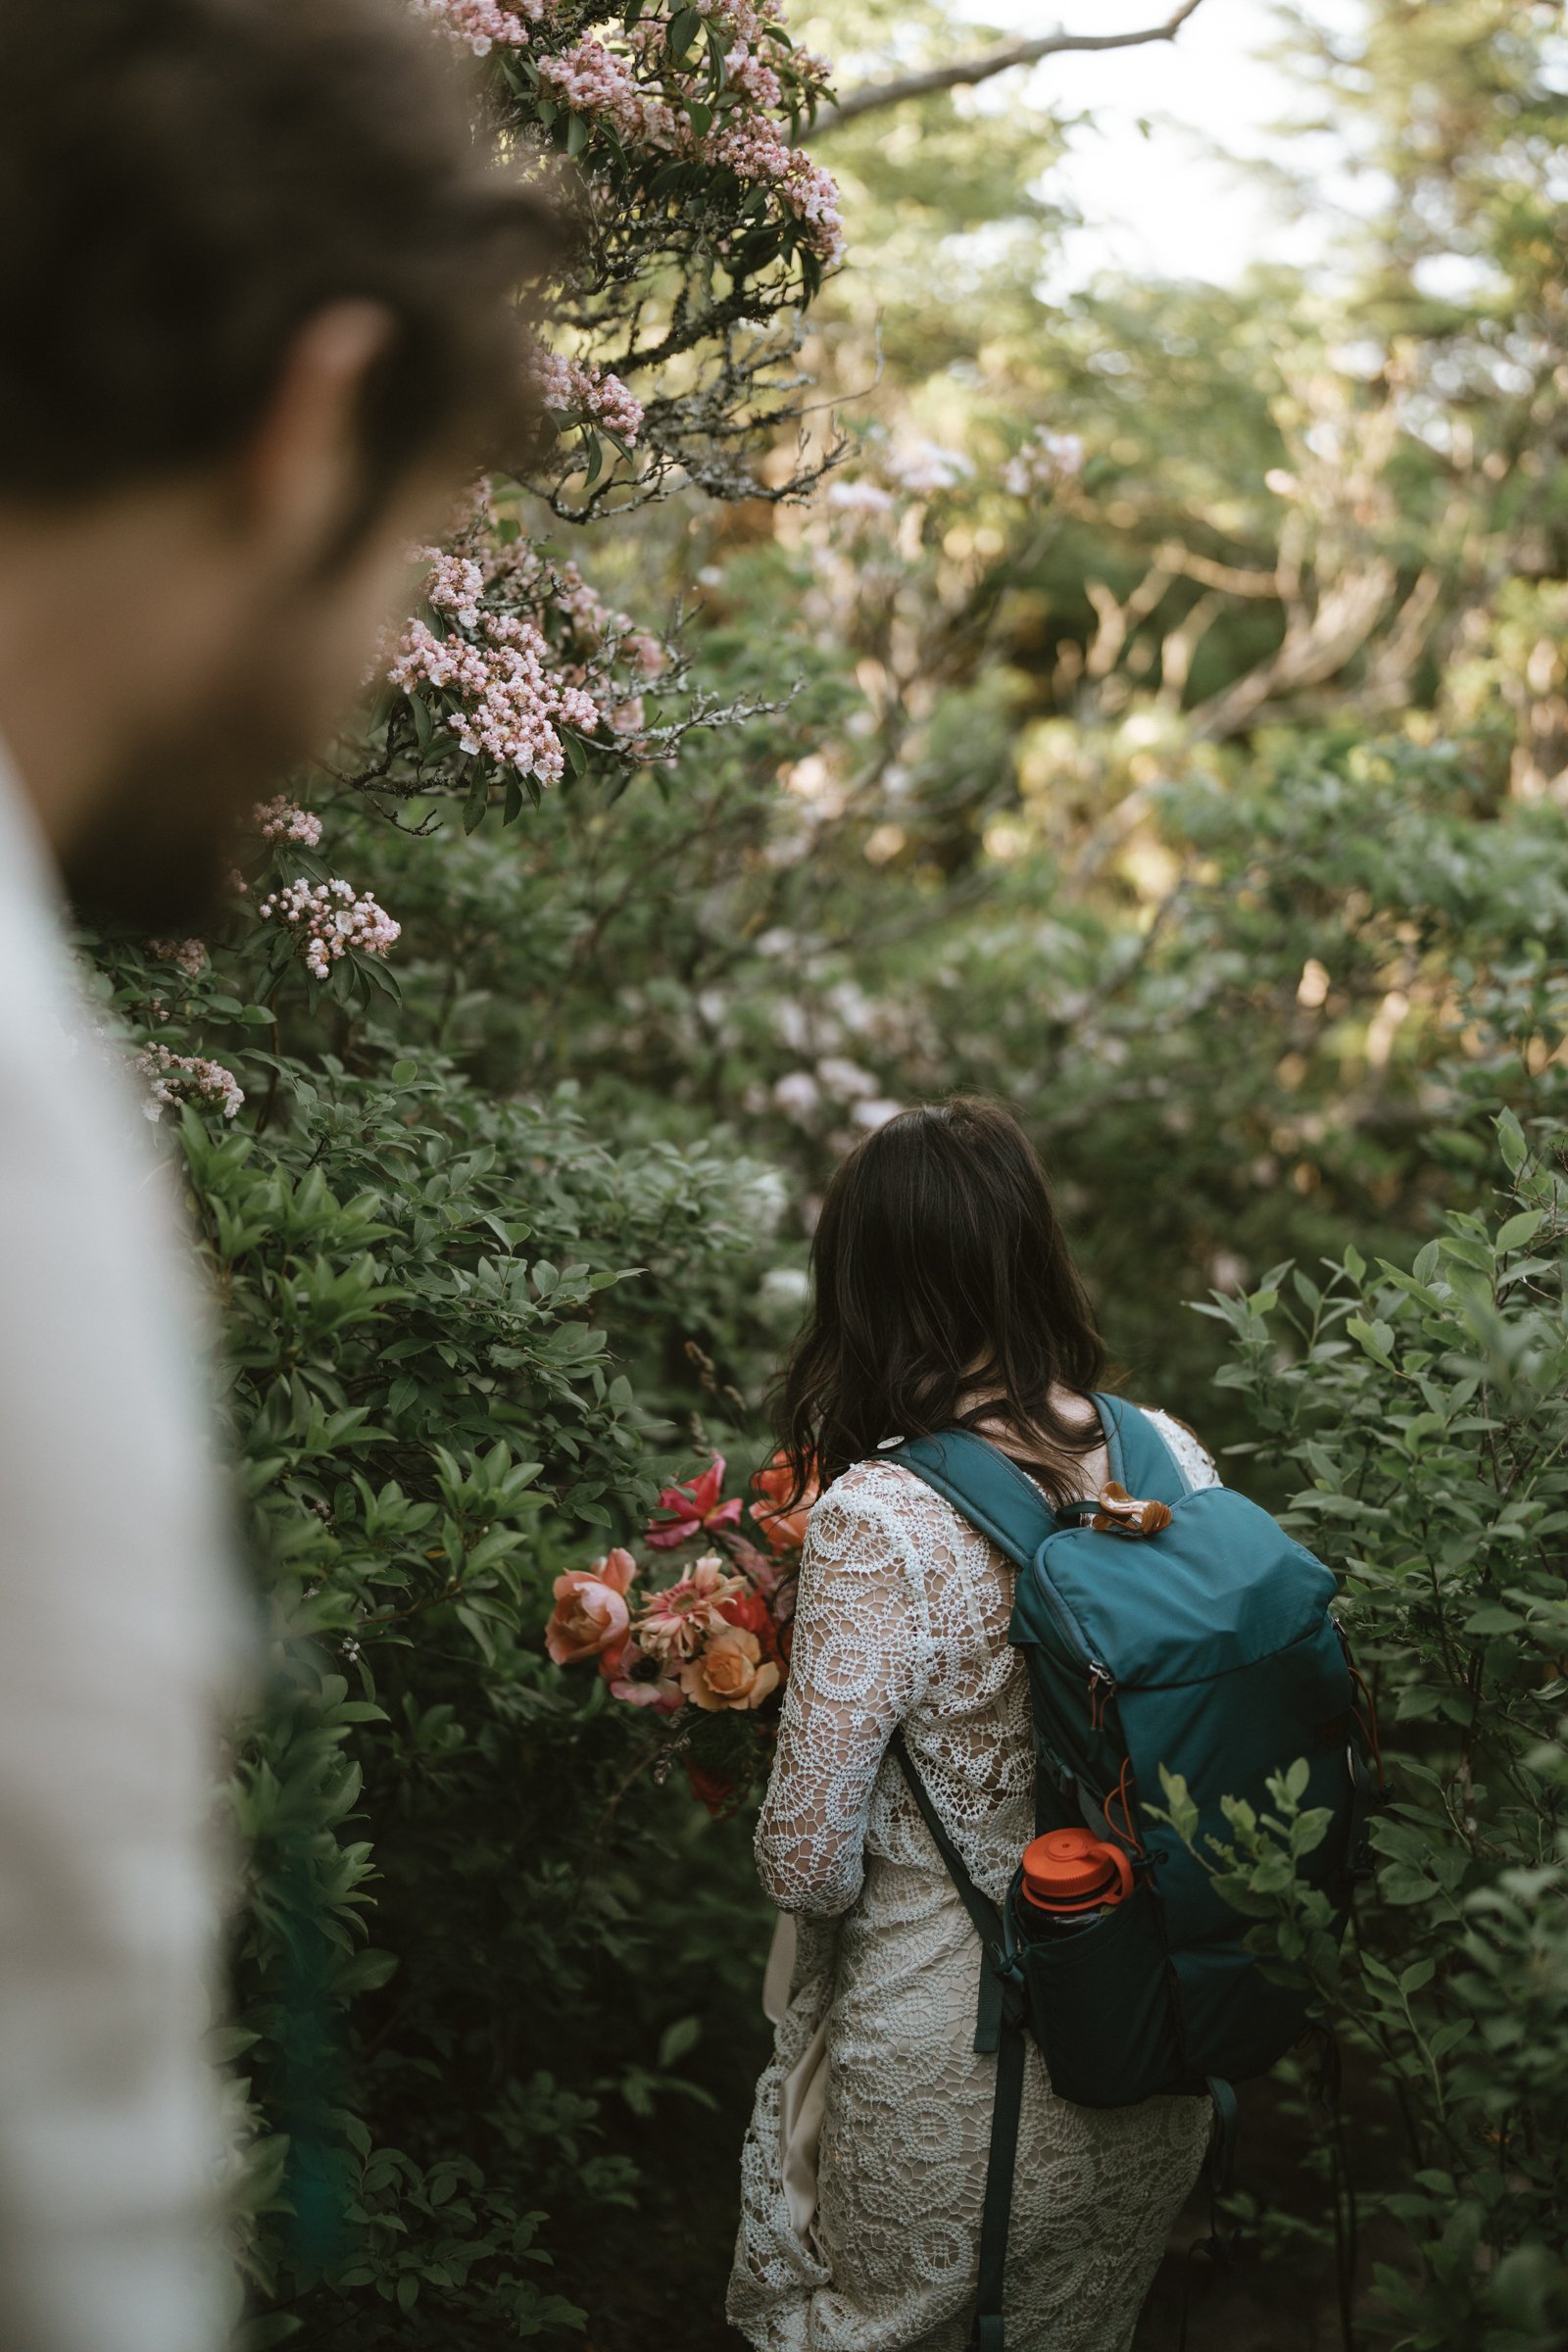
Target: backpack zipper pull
pixel 1101 1690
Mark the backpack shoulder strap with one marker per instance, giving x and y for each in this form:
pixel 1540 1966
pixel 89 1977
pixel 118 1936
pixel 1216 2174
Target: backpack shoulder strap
pixel 993 1493
pixel 997 1497
pixel 1139 1455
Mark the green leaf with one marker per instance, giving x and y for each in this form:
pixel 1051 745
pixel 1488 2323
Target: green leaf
pixel 1520 1229
pixel 1512 1142
pixel 676 2040
pixel 1493 1619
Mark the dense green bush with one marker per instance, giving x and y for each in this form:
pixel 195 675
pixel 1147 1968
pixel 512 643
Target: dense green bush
pixel 1428 1409
pixel 442 1995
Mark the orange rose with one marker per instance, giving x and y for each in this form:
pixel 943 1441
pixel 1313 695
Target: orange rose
pixel 590 1614
pixel 731 1672
pixel 784 1530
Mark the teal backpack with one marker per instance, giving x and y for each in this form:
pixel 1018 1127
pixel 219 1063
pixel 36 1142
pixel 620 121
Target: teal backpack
pixel 1208 1647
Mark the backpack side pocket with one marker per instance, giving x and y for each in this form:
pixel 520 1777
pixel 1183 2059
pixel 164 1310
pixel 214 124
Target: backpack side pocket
pixel 1101 2006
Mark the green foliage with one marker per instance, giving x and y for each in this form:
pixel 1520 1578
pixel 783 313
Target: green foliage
pixel 1428 1410
pixel 442 2001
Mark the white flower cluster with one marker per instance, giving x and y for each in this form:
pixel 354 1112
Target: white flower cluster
pixel 174 1078
pixel 327 918
pixel 1046 461
pixel 800 1094
pixel 924 469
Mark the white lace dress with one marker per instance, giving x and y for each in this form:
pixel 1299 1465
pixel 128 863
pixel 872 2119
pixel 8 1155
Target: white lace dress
pixel 864 2164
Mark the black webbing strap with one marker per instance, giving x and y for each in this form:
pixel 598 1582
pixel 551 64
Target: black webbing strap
pixel 981 1909
pixel 999 2027
pixel 996 2212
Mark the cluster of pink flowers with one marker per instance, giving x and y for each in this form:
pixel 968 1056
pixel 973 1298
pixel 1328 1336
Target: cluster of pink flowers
pixel 328 920
pixel 507 701
pixel 574 390
pixel 752 77
pixel 507 687
pixel 717 1638
pixel 749 139
pixel 282 819
pixel 187 955
pixel 174 1078
pixel 483 24
pixel 593 80
pixel 455 585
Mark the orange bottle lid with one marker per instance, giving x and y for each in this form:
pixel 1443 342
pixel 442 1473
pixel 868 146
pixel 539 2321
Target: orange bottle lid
pixel 1067 1869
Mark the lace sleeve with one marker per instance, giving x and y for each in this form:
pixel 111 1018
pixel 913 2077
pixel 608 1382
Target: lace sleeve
pixel 1194 1460
pixel 860 1663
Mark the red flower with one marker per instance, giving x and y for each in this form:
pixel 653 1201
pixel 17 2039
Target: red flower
pixel 710 1789
pixel 750 1613
pixel 784 1529
pixel 694 1509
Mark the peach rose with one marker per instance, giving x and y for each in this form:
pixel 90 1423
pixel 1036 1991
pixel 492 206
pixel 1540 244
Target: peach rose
pixel 731 1672
pixel 590 1614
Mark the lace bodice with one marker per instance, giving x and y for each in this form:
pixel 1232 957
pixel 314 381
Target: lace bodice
pixel 903 1619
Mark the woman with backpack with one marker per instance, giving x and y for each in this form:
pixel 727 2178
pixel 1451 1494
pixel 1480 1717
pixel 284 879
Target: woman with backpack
pixel 945 1298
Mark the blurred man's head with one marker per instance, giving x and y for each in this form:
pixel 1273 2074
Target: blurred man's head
pixel 262 289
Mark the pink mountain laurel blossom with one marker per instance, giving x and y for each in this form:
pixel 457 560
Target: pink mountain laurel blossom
pixel 187 955
pixel 482 25
pixel 175 1078
pixel 643 97
pixel 529 649
pixel 572 388
pixel 328 920
pixel 282 819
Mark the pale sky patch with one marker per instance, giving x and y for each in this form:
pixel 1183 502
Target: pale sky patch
pixel 1166 205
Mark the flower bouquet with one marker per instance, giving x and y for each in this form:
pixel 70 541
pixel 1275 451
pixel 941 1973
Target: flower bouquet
pixel 708 1655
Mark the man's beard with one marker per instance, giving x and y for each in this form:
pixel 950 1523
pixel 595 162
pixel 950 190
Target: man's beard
pixel 157 853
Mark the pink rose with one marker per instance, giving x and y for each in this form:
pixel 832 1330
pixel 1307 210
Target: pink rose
pixel 590 1614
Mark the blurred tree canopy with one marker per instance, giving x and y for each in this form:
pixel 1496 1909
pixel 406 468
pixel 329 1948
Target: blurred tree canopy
pixel 1150 705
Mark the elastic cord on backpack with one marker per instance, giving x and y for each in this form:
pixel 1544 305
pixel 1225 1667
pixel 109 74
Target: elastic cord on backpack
pixel 1122 1795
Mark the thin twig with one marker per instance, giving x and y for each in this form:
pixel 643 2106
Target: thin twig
pixel 968 70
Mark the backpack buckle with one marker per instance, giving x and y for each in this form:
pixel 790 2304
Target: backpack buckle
pixel 1122 1514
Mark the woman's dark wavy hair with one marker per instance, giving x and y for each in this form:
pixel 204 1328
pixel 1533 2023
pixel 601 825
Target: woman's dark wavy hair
pixel 940 1272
